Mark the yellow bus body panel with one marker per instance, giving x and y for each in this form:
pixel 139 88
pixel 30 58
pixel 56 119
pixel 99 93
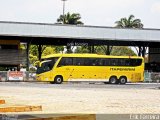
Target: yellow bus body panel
pixel 87 73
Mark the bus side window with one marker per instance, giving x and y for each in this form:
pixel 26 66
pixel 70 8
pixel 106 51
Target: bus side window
pixel 68 61
pixel 78 61
pixel 65 62
pixel 113 62
pixel 136 62
pixel 127 62
pixel 107 61
pixel 93 61
pixel 62 62
pixel 101 62
pixel 121 62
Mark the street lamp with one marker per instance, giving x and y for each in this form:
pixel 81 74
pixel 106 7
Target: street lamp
pixel 63 8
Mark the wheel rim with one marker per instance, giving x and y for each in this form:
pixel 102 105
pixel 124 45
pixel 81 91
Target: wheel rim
pixel 59 80
pixel 113 80
pixel 123 80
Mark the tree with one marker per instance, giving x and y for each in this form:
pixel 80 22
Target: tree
pixel 116 50
pixel 82 49
pixel 122 51
pixel 129 22
pixel 103 49
pixel 40 49
pixel 59 49
pixel 73 19
pixel 48 50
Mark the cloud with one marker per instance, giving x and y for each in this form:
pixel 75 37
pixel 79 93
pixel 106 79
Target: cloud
pixel 30 10
pixel 98 4
pixel 155 8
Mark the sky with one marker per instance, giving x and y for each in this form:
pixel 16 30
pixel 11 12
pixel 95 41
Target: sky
pixel 93 12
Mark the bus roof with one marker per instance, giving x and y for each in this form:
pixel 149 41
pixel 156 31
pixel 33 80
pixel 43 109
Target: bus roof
pixel 87 55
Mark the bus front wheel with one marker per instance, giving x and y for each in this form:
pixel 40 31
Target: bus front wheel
pixel 58 79
pixel 113 80
pixel 122 80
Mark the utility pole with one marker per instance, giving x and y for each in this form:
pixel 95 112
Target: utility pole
pixel 63 9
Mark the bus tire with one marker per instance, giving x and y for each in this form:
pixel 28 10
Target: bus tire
pixel 58 79
pixel 123 80
pixel 113 80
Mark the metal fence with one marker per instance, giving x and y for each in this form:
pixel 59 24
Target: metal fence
pixel 27 76
pixel 151 77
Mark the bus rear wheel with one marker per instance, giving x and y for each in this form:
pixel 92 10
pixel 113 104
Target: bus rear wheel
pixel 122 80
pixel 113 80
pixel 58 79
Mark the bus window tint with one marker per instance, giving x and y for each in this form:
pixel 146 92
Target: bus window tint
pixel 88 61
pixel 47 65
pixel 122 62
pixel 66 62
pixel 93 62
pixel 135 62
pixel 78 61
pixel 100 62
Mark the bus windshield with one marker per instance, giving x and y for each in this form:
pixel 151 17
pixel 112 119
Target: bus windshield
pixel 46 65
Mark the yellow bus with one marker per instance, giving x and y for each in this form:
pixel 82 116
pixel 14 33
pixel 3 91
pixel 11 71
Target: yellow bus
pixel 58 68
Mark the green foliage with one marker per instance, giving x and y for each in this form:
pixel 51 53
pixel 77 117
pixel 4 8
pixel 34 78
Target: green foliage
pixel 81 49
pixel 2 68
pixel 129 22
pixel 48 50
pixel 45 50
pixel 32 58
pixel 22 47
pixel 33 50
pixel 58 49
pixel 122 51
pixel 32 69
pixel 116 50
pixel 103 49
pixel 73 19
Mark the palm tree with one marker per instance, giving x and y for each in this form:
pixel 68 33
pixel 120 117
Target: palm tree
pixel 73 19
pixel 129 22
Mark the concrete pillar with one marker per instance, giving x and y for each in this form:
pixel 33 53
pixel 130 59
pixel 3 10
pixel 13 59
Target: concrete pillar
pixel 140 51
pixel 92 48
pixel 108 50
pixel 143 51
pixel 27 56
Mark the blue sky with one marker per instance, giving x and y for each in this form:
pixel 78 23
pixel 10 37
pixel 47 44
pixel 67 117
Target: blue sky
pixel 93 12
